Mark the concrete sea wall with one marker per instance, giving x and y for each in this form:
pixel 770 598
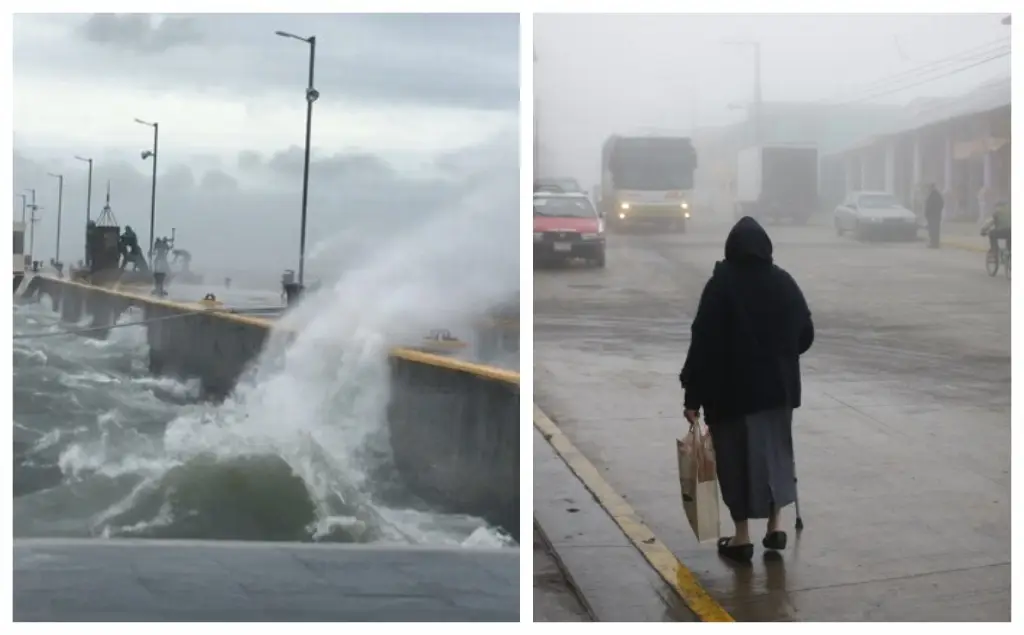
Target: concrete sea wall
pixel 454 425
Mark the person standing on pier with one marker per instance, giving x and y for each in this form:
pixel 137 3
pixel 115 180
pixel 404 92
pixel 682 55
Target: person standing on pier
pixel 743 369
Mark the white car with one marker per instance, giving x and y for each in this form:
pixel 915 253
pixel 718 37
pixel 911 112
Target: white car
pixel 869 215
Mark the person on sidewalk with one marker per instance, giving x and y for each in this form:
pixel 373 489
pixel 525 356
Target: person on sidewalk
pixel 933 215
pixel 743 369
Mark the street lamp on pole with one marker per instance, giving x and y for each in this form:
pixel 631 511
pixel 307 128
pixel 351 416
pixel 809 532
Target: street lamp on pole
pixel 88 207
pixel 151 154
pixel 311 96
pixel 88 194
pixel 60 207
pixel 33 219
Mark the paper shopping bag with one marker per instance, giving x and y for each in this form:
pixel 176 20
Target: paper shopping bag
pixel 699 482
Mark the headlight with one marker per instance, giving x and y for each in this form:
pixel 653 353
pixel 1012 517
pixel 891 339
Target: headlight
pixel 684 205
pixel 591 236
pixel 538 236
pixel 686 214
pixel 624 206
pixel 621 215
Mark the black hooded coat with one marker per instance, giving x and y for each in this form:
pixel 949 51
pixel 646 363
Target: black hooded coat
pixel 751 327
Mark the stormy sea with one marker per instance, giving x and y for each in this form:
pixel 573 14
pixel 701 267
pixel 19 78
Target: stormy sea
pixel 299 452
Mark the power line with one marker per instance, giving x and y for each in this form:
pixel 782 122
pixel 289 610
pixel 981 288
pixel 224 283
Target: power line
pixel 966 55
pixel 924 81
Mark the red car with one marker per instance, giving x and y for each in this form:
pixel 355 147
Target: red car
pixel 567 227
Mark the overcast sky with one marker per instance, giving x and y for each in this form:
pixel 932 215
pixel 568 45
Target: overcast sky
pixel 600 74
pixel 412 109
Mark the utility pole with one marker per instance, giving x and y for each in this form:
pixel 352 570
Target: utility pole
pixel 758 104
pixel 755 114
pixel 536 121
pixel 60 208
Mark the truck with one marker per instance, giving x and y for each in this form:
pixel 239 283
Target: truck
pixel 647 180
pixel 777 182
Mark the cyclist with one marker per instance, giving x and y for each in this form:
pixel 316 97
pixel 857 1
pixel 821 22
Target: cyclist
pixel 998 226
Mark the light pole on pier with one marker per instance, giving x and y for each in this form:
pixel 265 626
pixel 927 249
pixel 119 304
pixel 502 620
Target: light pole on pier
pixel 33 219
pixel 151 154
pixel 60 208
pixel 311 96
pixel 88 194
pixel 88 207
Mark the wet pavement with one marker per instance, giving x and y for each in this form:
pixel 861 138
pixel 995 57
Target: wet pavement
pixel 554 597
pixel 902 445
pixel 175 581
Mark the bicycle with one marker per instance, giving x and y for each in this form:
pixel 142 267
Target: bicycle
pixel 993 259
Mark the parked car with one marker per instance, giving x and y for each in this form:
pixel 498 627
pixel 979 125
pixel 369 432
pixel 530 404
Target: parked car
pixel 567 226
pixel 867 215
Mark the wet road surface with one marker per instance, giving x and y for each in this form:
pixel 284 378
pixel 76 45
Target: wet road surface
pixel 902 444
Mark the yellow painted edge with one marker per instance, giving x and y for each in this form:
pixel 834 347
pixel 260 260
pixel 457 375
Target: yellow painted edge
pixel 965 245
pixel 480 370
pixel 674 572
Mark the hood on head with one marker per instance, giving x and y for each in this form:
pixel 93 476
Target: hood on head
pixel 748 242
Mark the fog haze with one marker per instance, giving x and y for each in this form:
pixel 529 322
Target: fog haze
pixel 596 75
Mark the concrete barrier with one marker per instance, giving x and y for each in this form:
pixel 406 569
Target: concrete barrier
pixel 200 581
pixel 454 425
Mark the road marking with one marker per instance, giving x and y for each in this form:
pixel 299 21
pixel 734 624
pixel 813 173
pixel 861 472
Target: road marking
pixel 674 572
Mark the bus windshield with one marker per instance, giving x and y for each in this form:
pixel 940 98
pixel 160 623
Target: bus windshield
pixel 653 164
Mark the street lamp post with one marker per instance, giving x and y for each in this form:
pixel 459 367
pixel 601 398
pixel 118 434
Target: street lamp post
pixel 88 194
pixel 33 219
pixel 147 154
pixel 311 96
pixel 60 207
pixel 88 209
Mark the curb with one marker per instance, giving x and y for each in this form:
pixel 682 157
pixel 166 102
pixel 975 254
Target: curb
pixel 657 554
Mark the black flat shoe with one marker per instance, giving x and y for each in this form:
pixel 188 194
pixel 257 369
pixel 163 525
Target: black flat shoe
pixel 775 540
pixel 736 553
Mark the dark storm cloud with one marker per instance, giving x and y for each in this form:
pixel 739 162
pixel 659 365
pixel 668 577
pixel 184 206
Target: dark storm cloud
pixel 252 221
pixel 139 32
pixel 457 60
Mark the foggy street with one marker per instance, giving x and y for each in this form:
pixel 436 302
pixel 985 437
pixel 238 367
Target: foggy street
pixel 902 443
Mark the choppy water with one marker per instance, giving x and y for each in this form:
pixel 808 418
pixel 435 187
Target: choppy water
pixel 298 453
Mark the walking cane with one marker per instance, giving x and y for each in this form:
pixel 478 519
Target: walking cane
pixel 796 501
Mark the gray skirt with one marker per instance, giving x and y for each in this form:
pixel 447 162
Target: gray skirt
pixel 754 456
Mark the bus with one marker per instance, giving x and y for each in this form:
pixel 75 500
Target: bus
pixel 647 180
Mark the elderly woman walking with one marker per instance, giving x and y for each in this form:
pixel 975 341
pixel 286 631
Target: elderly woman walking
pixel 743 369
